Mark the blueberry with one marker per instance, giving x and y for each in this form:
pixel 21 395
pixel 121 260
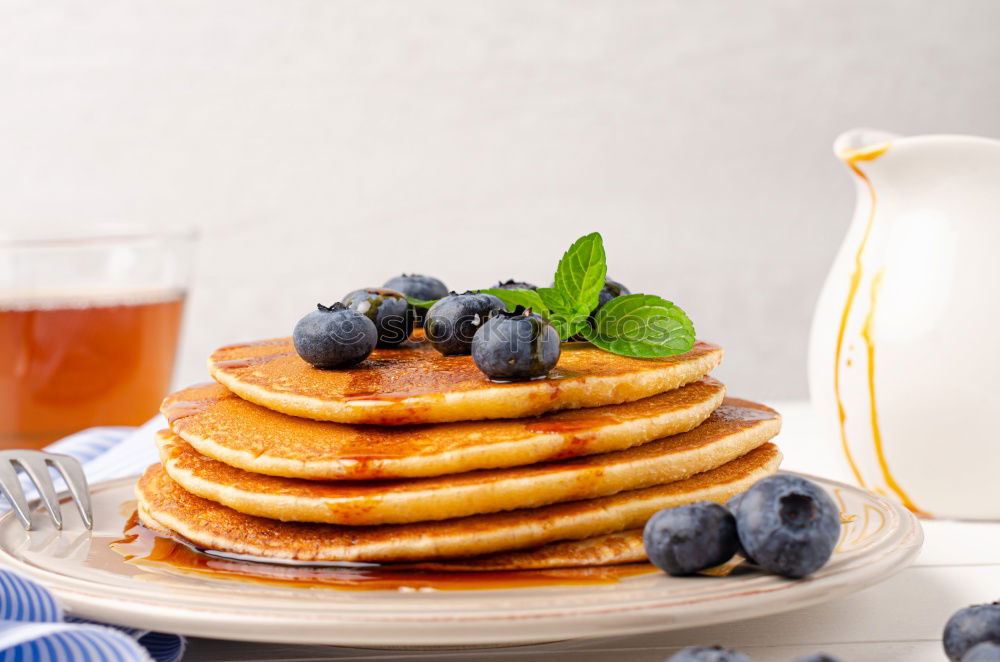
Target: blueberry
pixel 515 346
pixel 453 321
pixel 817 657
pixel 788 525
pixel 512 284
pixel 707 654
pixel 689 538
pixel 388 309
pixel 418 286
pixel 421 287
pixel 971 626
pixel 986 651
pixel 334 337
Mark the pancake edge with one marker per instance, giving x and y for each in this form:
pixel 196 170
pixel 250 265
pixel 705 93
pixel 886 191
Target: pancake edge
pixel 573 483
pixel 548 446
pixel 455 545
pixel 519 401
pixel 608 550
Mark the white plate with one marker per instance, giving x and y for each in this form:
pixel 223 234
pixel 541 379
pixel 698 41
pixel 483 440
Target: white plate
pixel 95 582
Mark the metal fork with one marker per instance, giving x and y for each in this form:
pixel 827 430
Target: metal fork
pixel 36 465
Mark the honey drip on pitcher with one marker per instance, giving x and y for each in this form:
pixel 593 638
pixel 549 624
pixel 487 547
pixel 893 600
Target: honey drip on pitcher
pixel 173 556
pixel 866 333
pixel 851 158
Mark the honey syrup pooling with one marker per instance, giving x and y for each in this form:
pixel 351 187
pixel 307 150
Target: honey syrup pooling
pixel 160 554
pixel 852 158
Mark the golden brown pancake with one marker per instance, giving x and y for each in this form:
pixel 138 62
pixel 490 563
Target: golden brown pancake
pixel 416 384
pixel 612 549
pixel 229 429
pixel 734 429
pixel 164 503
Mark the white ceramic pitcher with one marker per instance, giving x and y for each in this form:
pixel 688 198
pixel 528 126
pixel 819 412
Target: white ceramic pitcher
pixel 904 361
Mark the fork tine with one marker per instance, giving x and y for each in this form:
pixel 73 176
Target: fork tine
pixel 38 471
pixel 76 481
pixel 11 486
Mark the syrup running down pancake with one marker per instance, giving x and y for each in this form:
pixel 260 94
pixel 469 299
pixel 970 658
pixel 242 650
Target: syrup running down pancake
pixel 227 428
pixel 416 384
pixel 602 551
pixel 164 504
pixel 734 429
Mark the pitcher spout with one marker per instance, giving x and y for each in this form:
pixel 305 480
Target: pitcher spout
pixel 862 144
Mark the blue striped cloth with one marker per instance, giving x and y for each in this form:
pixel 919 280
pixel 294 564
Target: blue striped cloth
pixel 32 624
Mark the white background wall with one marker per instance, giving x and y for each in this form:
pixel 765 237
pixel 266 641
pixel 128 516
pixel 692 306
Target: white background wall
pixel 322 145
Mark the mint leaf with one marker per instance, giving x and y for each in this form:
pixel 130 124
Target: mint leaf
pixel 561 312
pixel 580 276
pixel 579 279
pixel 564 325
pixel 518 297
pixel 570 326
pixel 552 298
pixel 421 303
pixel 643 326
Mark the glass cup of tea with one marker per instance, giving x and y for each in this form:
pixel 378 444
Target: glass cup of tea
pixel 89 323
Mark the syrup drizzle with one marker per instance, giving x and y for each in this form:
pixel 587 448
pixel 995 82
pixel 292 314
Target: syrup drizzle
pixel 174 556
pixel 866 333
pixel 851 158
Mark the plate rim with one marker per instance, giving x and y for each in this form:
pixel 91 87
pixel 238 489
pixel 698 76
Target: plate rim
pixel 356 627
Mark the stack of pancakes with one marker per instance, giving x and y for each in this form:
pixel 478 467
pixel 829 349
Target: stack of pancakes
pixel 417 458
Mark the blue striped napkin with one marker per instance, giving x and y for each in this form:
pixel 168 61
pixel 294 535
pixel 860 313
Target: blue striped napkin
pixel 32 624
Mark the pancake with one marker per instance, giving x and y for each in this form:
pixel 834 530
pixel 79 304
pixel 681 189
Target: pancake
pixel 612 549
pixel 734 429
pixel 164 503
pixel 416 384
pixel 225 427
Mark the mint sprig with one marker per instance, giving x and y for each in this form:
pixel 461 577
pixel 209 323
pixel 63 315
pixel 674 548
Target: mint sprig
pixel 637 325
pixel 641 325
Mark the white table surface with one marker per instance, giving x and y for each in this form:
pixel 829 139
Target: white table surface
pixel 899 619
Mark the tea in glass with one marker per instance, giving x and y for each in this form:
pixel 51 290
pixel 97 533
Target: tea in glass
pixel 98 351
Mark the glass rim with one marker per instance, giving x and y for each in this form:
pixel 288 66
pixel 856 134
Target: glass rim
pixel 118 233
